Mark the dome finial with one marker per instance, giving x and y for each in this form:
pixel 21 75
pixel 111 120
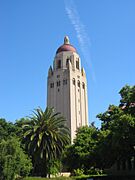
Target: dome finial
pixel 66 40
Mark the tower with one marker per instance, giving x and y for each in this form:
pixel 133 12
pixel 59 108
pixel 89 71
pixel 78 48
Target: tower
pixel 67 87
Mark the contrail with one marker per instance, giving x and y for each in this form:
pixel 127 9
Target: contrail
pixel 82 36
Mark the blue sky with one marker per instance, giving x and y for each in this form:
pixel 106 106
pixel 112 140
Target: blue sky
pixel 103 33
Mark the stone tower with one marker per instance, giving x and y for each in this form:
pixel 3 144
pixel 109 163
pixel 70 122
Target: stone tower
pixel 67 87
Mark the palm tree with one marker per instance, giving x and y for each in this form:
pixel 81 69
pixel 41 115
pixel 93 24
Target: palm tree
pixel 45 135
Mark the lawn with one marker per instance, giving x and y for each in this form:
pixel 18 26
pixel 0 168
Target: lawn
pixel 58 178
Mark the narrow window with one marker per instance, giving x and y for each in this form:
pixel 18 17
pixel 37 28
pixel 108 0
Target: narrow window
pixel 73 81
pixel 58 83
pixel 83 86
pixel 59 64
pixel 51 85
pixel 77 64
pixel 67 61
pixel 78 83
pixel 64 81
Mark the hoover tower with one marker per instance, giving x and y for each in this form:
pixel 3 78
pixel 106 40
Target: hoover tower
pixel 67 87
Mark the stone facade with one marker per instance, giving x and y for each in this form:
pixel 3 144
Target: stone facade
pixel 67 87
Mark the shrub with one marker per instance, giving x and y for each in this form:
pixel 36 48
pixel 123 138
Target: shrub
pixel 94 171
pixel 54 167
pixel 78 172
pixel 13 161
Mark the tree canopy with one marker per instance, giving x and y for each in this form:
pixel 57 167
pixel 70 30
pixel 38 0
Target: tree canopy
pixel 38 142
pixel 114 141
pixel 13 161
pixel 46 136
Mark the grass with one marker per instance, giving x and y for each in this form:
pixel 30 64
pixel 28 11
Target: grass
pixel 38 178
pixel 64 178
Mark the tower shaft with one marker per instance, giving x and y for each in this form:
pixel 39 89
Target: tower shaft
pixel 67 88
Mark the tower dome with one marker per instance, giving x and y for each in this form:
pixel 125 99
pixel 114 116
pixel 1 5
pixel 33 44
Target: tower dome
pixel 66 46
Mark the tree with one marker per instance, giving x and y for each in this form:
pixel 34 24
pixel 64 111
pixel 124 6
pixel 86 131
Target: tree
pixel 119 123
pixel 46 136
pixel 13 161
pixel 81 153
pixel 127 102
pixel 18 127
pixel 126 106
pixel 7 129
pixel 117 142
pixel 109 116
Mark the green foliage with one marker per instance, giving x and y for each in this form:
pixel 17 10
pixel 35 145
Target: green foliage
pixel 119 123
pixel 78 172
pixel 127 102
pixel 46 135
pixel 119 141
pixel 127 94
pixel 13 161
pixel 95 149
pixel 55 167
pixel 94 171
pixel 57 178
pixel 7 129
pixel 80 154
pixel 18 126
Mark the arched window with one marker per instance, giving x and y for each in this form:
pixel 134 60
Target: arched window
pixel 67 61
pixel 77 64
pixel 58 83
pixel 78 83
pixel 73 81
pixel 83 85
pixel 59 64
pixel 51 85
pixel 64 81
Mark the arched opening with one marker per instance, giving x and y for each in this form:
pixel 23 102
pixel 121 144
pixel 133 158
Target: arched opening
pixel 59 64
pixel 73 81
pixel 78 83
pixel 77 64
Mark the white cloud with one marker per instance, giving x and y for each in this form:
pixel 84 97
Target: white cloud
pixel 82 36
